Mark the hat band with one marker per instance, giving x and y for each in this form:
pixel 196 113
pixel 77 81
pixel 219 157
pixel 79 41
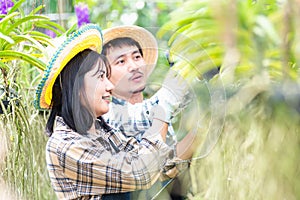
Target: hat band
pixel 90 42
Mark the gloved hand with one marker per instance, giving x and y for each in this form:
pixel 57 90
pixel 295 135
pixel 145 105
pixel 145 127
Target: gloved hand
pixel 173 95
pixel 173 167
pixel 171 173
pixel 159 112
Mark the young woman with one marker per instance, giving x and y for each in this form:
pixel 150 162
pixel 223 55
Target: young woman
pixel 87 159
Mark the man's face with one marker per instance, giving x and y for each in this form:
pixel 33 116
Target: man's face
pixel 127 70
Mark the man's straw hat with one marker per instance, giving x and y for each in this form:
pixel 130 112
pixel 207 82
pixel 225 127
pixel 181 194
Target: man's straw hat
pixel 146 40
pixel 88 36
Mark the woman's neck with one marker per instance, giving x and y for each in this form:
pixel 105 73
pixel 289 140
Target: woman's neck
pixel 92 130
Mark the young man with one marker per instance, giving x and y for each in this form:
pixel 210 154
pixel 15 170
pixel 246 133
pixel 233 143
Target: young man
pixel 132 52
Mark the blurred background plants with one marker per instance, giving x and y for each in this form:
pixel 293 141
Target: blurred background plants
pixel 240 57
pixel 253 46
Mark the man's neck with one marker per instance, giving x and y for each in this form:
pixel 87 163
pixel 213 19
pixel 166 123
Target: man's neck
pixel 133 99
pixel 136 98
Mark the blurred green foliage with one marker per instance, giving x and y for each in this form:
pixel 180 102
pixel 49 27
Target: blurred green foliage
pixel 109 13
pixel 242 37
pixel 257 110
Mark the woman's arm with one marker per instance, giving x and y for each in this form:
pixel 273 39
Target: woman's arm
pixel 90 164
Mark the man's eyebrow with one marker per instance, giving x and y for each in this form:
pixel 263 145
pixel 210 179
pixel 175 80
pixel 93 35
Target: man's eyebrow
pixel 122 55
pixel 136 51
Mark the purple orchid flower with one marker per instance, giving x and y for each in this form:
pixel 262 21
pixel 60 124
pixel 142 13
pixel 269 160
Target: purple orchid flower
pixel 50 33
pixel 5 5
pixel 82 13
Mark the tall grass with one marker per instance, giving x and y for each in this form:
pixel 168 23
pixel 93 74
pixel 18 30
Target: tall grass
pixel 22 43
pixel 5 191
pixel 22 126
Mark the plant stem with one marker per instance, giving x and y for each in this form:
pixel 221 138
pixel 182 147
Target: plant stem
pixel 6 85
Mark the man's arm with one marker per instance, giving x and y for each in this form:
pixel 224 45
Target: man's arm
pixel 133 119
pixel 186 147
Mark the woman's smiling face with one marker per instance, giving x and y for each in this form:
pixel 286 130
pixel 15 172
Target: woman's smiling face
pixel 98 88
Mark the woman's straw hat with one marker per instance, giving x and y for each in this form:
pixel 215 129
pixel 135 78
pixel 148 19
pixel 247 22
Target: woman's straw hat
pixel 146 40
pixel 88 36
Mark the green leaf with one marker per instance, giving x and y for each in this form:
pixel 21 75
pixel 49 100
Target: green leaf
pixel 39 8
pixel 173 25
pixel 45 26
pixel 16 6
pixel 26 19
pixel 52 24
pixel 4 21
pixel 6 38
pixel 71 29
pixel 16 55
pixel 265 24
pixel 22 38
pixel 3 66
pixel 36 33
pixel 43 40
pixel 177 33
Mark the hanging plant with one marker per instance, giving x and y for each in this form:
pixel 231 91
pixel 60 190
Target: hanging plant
pixel 22 43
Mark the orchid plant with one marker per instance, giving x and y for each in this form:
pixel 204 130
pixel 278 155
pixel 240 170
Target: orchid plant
pixel 21 41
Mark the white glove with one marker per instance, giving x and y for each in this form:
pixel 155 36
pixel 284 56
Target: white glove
pixel 173 95
pixel 158 112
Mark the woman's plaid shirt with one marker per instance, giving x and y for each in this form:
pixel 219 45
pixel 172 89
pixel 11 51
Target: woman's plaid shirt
pixel 103 163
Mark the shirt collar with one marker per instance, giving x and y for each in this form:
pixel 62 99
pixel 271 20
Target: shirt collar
pixel 121 102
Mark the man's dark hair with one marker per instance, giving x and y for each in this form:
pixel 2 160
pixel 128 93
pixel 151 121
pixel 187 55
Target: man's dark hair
pixel 67 89
pixel 120 42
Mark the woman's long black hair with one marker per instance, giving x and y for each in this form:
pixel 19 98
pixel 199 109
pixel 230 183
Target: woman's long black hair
pixel 68 90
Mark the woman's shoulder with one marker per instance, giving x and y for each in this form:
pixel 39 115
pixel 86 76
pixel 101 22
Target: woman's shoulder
pixel 62 133
pixel 66 142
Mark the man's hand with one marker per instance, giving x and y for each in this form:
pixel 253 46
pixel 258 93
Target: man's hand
pixel 174 94
pixel 158 116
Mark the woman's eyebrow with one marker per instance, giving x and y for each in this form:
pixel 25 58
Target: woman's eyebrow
pixel 99 70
